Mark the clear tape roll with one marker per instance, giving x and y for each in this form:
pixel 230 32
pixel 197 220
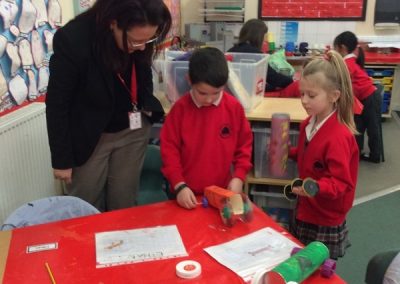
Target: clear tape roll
pixel 188 269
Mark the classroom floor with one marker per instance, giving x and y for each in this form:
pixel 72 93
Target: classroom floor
pixel 373 221
pixel 375 178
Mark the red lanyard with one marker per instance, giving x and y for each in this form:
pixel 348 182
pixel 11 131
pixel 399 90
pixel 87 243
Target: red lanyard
pixel 133 90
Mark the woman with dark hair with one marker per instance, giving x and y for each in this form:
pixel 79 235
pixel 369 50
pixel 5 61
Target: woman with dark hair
pixel 100 103
pixel 251 38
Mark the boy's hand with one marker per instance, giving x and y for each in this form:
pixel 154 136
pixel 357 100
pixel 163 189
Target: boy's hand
pixel 236 185
pixel 186 198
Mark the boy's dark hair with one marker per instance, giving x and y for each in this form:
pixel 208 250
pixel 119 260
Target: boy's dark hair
pixel 208 65
pixel 350 41
pixel 253 32
pixel 127 14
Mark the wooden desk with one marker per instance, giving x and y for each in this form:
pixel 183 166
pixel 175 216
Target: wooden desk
pixel 263 111
pixel 74 260
pixel 269 106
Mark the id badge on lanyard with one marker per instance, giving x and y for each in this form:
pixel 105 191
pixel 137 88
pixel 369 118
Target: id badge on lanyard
pixel 134 116
pixel 135 119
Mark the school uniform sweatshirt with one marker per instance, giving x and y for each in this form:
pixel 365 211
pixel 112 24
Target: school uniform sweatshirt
pixel 204 146
pixel 331 158
pixel 363 86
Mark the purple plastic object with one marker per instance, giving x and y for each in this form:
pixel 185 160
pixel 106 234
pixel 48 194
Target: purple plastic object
pixel 328 268
pixel 204 202
pixel 295 250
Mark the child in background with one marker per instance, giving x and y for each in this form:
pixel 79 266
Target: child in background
pixel 206 138
pixel 327 152
pixel 346 44
pixel 291 91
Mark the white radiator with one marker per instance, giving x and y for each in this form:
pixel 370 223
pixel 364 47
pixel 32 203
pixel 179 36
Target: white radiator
pixel 25 165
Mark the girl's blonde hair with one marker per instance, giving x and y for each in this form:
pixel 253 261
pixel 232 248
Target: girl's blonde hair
pixel 333 67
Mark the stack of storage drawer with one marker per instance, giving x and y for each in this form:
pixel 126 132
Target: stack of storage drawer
pixel 383 76
pixel 270 197
pixel 272 200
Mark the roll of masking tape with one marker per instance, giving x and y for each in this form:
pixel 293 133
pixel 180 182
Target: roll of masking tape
pixel 188 269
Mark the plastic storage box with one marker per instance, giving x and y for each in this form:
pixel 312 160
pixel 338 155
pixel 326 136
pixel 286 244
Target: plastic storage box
pixel 250 69
pixel 262 136
pixel 176 72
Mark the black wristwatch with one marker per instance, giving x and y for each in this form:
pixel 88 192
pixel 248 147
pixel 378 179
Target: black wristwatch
pixel 180 188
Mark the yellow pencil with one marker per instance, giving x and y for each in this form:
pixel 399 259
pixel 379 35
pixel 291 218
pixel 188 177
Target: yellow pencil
pixel 53 281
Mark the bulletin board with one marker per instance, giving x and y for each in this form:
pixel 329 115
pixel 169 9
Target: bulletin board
pixel 174 7
pixel 27 28
pixel 340 10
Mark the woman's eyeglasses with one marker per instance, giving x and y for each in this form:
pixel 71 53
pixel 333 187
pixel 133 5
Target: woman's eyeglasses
pixel 138 44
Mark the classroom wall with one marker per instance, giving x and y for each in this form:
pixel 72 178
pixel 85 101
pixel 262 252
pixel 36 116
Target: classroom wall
pixel 317 32
pixel 67 8
pixel 322 32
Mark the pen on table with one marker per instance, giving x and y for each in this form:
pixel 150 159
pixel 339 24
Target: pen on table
pixel 53 281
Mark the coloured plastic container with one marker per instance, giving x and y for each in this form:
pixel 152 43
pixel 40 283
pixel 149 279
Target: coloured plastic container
pixel 380 72
pixel 387 88
pixel 387 80
pixel 262 137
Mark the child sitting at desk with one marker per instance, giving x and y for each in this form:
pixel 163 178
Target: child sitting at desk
pixel 206 138
pixel 327 152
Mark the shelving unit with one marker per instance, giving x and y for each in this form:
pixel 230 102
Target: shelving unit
pixel 384 75
pixel 267 192
pixel 264 181
pixel 271 199
pixel 223 11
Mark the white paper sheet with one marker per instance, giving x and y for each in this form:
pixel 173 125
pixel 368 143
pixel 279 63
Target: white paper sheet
pixel 263 249
pixel 122 247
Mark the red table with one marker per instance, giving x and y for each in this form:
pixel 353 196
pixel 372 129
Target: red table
pixel 74 260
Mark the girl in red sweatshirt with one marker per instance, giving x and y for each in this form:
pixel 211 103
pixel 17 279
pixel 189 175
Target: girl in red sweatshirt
pixel 327 153
pixel 346 44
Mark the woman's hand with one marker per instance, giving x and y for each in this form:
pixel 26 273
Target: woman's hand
pixel 63 175
pixel 186 198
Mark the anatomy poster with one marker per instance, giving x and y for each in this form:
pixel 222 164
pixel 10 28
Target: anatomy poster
pixel 27 28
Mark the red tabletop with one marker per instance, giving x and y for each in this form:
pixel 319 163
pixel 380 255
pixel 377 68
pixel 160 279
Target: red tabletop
pixel 74 260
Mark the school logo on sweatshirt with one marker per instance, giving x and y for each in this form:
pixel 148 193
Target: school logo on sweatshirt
pixel 225 131
pixel 318 166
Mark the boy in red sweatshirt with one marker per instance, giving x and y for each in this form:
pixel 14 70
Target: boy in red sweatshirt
pixel 206 138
